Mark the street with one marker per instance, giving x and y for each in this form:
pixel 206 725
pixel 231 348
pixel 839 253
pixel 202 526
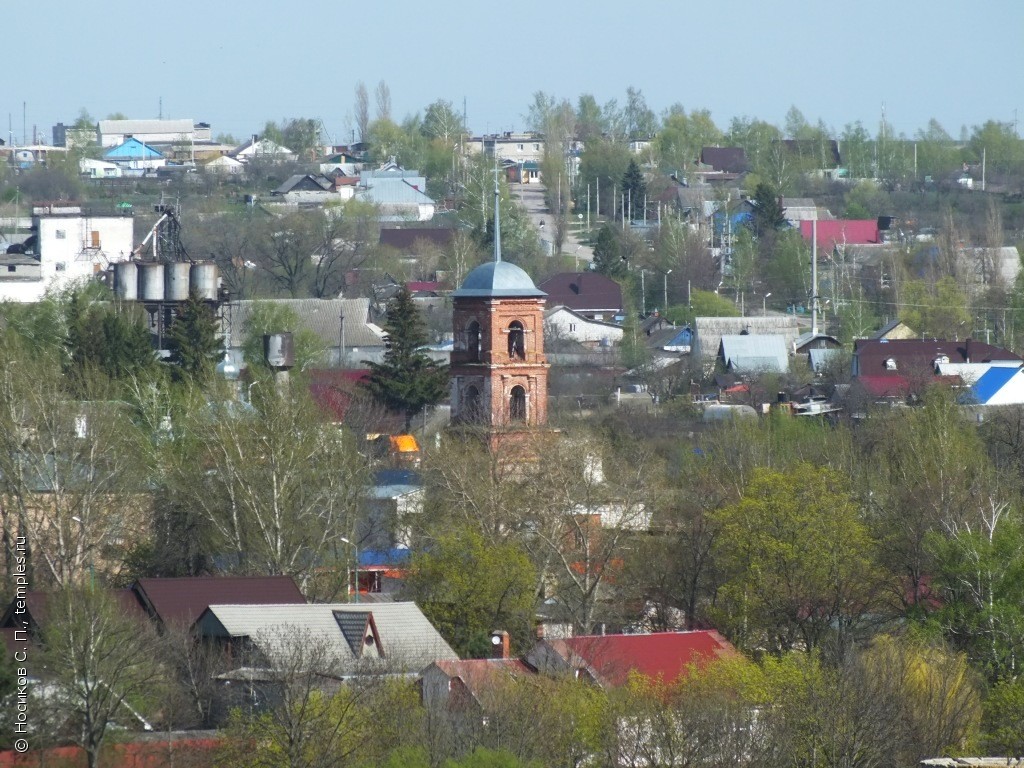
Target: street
pixel 531 198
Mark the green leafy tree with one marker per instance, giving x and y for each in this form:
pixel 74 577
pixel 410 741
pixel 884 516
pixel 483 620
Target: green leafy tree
pixel 407 380
pixel 468 587
pixel 801 561
pixel 193 340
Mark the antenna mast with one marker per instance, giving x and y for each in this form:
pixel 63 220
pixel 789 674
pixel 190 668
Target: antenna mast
pixel 497 216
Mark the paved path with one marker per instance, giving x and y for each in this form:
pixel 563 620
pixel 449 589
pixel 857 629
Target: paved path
pixel 531 198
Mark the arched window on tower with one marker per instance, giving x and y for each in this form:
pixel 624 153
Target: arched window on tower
pixel 473 340
pixel 471 408
pixel 516 341
pixel 517 404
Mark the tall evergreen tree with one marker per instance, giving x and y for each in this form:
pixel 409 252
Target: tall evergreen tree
pixel 407 380
pixel 634 190
pixel 608 259
pixel 106 338
pixel 193 339
pixel 768 213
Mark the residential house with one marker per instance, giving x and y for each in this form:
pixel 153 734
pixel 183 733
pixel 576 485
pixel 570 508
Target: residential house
pixel 169 602
pixel 609 660
pixel 901 367
pixel 261 149
pixel 754 353
pixel 178 602
pixel 708 331
pixel 396 497
pixel 517 147
pixel 589 294
pixel 895 329
pixel 836 235
pixel 725 159
pixel 135 157
pixel 67 244
pixel 523 172
pixel 390 637
pixel 98 169
pixel 562 323
pixel 312 189
pixel 399 193
pixel 998 385
pixel 471 687
pixel 224 165
pixel 797 209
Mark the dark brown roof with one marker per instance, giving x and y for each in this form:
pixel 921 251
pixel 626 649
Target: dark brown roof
pixel 405 239
pixel 583 292
pixel 730 159
pixel 180 601
pixel 37 607
pixel 909 355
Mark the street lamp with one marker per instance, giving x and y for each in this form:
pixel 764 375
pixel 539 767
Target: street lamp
pixel 355 549
pixel 764 303
pixel 666 288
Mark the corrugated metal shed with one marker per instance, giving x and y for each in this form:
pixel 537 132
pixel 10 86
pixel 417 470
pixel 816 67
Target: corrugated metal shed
pixel 752 353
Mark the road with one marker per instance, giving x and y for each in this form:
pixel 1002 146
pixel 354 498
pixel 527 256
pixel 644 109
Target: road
pixel 531 198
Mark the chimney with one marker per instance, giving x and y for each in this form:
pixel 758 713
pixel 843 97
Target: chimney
pixel 499 644
pixel 539 632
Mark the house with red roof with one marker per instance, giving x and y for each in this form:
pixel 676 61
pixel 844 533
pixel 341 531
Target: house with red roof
pixel 609 660
pixel 895 368
pixel 839 233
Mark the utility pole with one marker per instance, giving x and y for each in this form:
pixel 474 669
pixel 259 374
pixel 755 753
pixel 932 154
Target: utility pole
pixel 814 276
pixel 665 309
pixel 643 294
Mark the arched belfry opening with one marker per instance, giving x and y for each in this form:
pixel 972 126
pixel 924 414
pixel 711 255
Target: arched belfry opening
pixel 473 341
pixel 517 405
pixel 516 341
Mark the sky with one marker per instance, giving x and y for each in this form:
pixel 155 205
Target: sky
pixel 238 65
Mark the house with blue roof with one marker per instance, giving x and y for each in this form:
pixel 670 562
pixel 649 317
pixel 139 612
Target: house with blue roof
pixel 999 385
pixel 135 155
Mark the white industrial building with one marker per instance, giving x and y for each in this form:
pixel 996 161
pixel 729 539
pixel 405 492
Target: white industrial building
pixel 66 245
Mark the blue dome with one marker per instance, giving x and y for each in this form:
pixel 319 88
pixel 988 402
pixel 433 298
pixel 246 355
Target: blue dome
pixel 497 278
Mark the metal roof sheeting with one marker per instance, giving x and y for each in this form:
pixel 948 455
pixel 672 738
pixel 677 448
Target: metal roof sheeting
pixel 408 640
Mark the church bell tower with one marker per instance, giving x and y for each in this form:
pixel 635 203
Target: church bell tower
pixel 499 375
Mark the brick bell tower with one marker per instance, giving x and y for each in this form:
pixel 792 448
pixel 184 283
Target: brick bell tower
pixel 499 375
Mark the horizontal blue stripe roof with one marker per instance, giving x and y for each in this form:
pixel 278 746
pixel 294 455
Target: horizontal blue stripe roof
pixel 994 379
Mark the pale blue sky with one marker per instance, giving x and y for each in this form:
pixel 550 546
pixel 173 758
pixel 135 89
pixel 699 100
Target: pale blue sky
pixel 237 65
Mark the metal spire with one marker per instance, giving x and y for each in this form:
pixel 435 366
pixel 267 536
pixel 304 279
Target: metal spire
pixel 497 217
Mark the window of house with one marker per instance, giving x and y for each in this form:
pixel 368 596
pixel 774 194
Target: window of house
pixel 890 364
pixel 61 234
pixel 516 340
pixel 95 238
pixel 536 147
pixel 517 404
pixel 519 147
pixel 572 327
pixel 60 266
pixel 11 268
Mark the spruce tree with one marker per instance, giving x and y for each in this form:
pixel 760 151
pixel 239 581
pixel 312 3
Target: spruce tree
pixel 634 191
pixel 769 215
pixel 193 340
pixel 407 379
pixel 608 254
